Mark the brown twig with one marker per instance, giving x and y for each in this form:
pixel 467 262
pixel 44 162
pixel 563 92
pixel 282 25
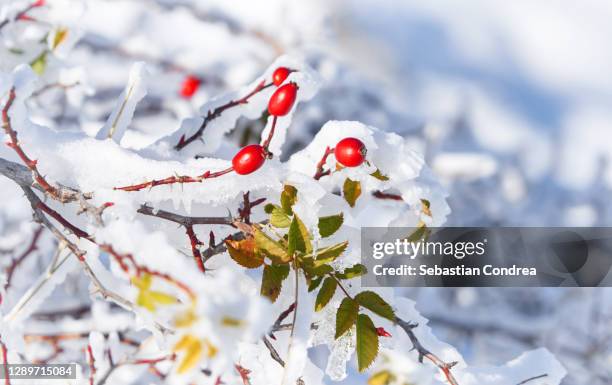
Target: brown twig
pixel 273 352
pixel 266 143
pixel 382 195
pixel 445 367
pixel 532 379
pixel 188 223
pixel 216 112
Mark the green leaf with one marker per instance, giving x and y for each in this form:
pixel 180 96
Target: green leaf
pixel 326 293
pixel 426 207
pixel 39 64
pixel 376 304
pixel 329 254
pixel 298 237
pixel 244 253
pixel 352 272
pixel 272 280
pixel 269 208
pixel 278 217
pixel 273 249
pixel 288 198
pixel 314 283
pixel 351 191
pixel 379 175
pixel 312 270
pixel 346 316
pixel 384 377
pixel 367 342
pixel 422 232
pixel 329 225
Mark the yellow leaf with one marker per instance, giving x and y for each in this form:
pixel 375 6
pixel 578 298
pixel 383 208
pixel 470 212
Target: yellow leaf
pixel 143 282
pixel 380 378
pixel 231 322
pixel 193 351
pixel 162 298
pixel 60 37
pixel 185 319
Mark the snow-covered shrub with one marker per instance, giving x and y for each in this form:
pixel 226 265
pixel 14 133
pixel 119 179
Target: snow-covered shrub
pixel 200 265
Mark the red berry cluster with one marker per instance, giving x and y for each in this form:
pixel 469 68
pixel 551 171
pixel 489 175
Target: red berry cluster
pixel 250 158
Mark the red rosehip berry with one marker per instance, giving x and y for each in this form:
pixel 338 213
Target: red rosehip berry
pixel 279 75
pixel 38 3
pixel 190 86
pixel 249 159
pixel 382 332
pixel 350 152
pixel 282 100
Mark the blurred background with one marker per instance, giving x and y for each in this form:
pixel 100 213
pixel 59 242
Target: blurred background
pixel 509 101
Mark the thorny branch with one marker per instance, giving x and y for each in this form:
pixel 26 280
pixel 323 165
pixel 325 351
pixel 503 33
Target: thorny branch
pixel 216 112
pixel 445 367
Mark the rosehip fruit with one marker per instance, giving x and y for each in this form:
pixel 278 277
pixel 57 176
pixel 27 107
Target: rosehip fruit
pixel 190 86
pixel 279 75
pixel 249 159
pixel 350 152
pixel 282 100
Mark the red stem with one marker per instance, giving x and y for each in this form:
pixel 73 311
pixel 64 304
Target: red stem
pixel 58 217
pixel 7 379
pixel 271 134
pixel 175 179
pixel 14 144
pixel 92 368
pixel 320 173
pixel 195 242
pixel 31 248
pixel 216 112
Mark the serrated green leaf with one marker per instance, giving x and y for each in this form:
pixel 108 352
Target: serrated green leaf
pixel 351 191
pixel 309 267
pixel 298 237
pixel 352 272
pixel 329 225
pixel 422 232
pixel 314 283
pixel 39 64
pixel 244 253
pixel 326 293
pixel 379 175
pixel 376 304
pixel 278 217
pixel 367 342
pixel 272 280
pixel 346 316
pixel 288 198
pixel 273 249
pixel 329 254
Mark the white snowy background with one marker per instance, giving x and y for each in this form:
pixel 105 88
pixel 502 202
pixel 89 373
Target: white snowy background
pixel 509 103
